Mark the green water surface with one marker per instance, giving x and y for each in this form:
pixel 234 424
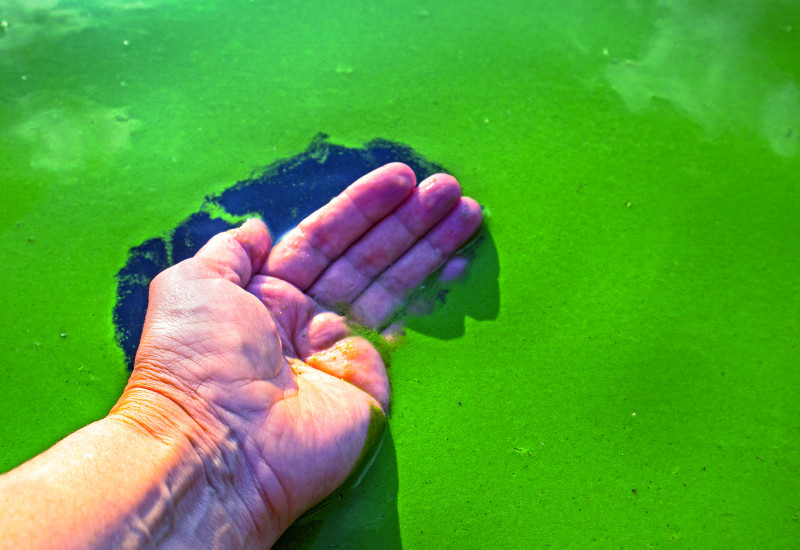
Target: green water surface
pixel 621 367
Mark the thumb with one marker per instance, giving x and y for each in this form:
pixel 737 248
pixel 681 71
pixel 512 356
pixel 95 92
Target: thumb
pixel 236 254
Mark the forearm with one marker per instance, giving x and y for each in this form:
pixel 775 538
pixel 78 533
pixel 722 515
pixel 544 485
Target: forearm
pixel 134 479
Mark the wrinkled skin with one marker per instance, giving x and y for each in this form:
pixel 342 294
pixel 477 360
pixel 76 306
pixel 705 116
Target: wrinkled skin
pixel 240 337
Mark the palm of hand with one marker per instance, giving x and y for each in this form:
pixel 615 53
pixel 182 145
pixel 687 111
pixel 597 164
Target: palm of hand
pixel 295 422
pixel 237 327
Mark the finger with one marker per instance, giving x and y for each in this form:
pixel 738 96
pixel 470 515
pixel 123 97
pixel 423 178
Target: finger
pixel 356 361
pixel 393 334
pixel 420 307
pixel 304 326
pixel 348 276
pixel 382 298
pixel 236 254
pixel 321 339
pixel 288 306
pixel 320 239
pixel 453 269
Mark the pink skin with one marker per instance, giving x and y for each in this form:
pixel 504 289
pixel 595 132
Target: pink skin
pixel 453 269
pixel 351 274
pixel 236 338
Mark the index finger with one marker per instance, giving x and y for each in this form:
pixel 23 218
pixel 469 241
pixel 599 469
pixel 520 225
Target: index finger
pixel 308 249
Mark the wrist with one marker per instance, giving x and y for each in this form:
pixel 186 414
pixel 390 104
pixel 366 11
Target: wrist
pixel 205 494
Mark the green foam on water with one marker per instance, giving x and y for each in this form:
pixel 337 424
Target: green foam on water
pixel 640 162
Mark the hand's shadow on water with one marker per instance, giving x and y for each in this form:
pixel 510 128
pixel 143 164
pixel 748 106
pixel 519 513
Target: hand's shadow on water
pixel 365 517
pixel 475 295
pixel 282 194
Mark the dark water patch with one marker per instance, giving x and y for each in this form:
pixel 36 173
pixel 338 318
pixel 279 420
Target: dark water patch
pixel 282 194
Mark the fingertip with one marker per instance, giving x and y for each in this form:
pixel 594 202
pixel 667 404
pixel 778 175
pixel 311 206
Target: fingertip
pixel 401 173
pixel 471 214
pixel 445 181
pixel 378 193
pixel 394 334
pixel 255 224
pixel 472 205
pixel 454 269
pixel 420 307
pixel 253 235
pixel 440 193
pixel 235 254
pixel 394 179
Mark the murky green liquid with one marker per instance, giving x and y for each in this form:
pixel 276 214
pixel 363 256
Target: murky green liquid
pixel 620 367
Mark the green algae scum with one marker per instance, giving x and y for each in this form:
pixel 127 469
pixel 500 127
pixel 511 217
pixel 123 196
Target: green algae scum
pixel 620 367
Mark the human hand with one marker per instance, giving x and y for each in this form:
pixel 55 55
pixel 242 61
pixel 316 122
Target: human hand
pixel 240 337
